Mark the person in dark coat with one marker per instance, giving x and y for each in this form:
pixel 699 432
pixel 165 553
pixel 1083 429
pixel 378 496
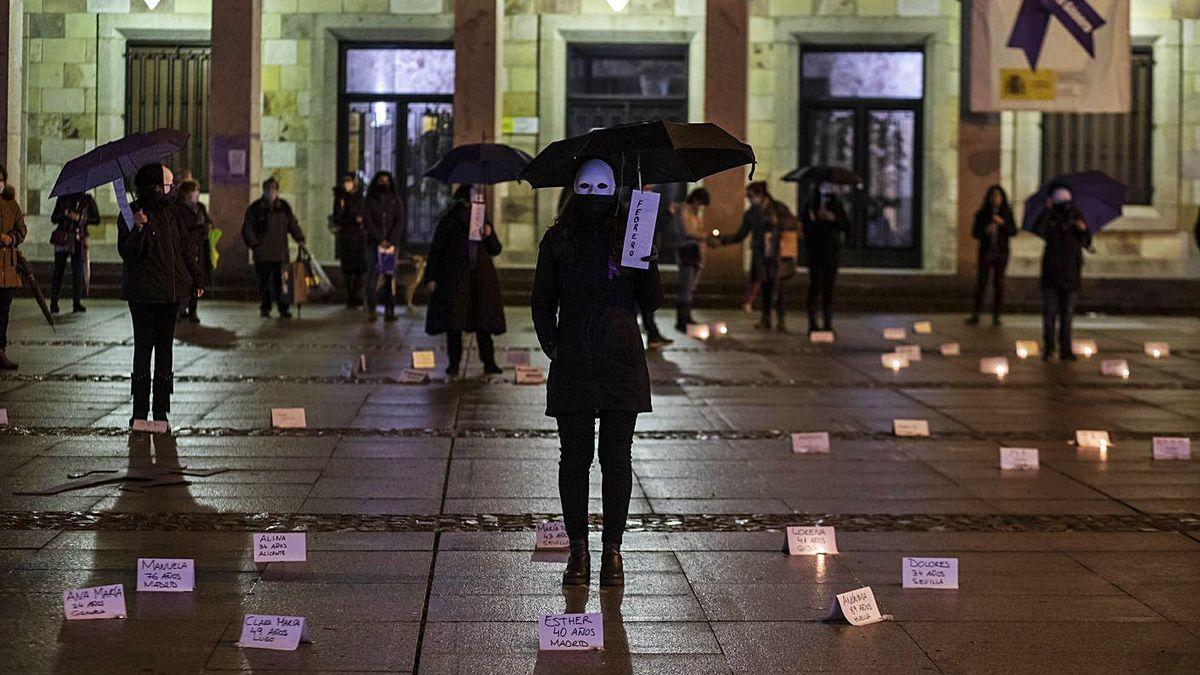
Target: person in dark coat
pixel 1066 235
pixel 994 226
pixel 72 215
pixel 385 218
pixel 585 309
pixel 350 236
pixel 692 235
pixel 158 273
pixel 265 229
pixel 12 233
pixel 197 225
pixel 759 224
pixel 464 289
pixel 824 221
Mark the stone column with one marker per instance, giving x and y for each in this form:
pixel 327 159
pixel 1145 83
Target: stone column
pixel 978 156
pixel 10 90
pixel 476 56
pixel 235 112
pixel 726 63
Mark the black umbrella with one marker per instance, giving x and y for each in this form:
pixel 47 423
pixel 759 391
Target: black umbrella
pixel 112 162
pixel 661 152
pixel 823 174
pixel 480 164
pixel 26 272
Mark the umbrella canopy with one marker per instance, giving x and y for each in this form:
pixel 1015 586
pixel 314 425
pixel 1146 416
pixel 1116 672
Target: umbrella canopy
pixel 480 163
pixel 665 152
pixel 1098 196
pixel 823 174
pixel 113 161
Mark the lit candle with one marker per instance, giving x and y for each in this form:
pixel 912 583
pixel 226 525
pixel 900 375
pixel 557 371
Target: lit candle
pixel 716 233
pixel 1001 371
pixel 721 327
pixel 1022 352
pixel 1087 351
pixel 896 365
pixel 1156 353
pixel 1125 374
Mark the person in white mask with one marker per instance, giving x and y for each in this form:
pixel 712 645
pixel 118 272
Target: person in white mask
pixel 585 308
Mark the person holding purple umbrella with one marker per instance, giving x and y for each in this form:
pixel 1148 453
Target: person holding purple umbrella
pixel 1066 234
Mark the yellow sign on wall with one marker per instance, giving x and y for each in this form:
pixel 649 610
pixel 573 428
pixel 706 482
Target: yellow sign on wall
pixel 1019 84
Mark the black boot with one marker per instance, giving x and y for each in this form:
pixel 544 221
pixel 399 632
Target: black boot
pixel 164 384
pixel 140 388
pixel 612 569
pixel 579 564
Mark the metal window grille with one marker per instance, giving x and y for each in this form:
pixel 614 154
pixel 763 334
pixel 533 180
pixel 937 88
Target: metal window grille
pixel 168 86
pixel 1119 144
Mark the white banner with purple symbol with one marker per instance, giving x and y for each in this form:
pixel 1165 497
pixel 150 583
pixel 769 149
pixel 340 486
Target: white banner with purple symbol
pixel 1050 55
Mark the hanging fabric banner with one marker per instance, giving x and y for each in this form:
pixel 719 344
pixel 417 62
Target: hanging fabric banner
pixel 1050 55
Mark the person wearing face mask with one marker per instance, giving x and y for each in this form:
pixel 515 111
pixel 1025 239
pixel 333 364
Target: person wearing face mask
pixel 12 233
pixel 265 229
pixel 350 236
pixel 384 218
pixel 72 215
pixel 585 309
pixel 1066 235
pixel 157 275
pixel 197 225
pixel 464 289
pixel 824 221
pixel 993 227
pixel 761 223
pixel 693 235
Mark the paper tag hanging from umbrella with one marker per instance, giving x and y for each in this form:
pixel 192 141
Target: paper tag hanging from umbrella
pixel 639 226
pixel 478 215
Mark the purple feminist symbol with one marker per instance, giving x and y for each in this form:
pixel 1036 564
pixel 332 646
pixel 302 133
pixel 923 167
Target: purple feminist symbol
pixel 612 269
pixel 1033 19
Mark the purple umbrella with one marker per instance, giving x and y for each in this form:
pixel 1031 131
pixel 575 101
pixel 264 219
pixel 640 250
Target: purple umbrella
pixel 112 162
pixel 1098 197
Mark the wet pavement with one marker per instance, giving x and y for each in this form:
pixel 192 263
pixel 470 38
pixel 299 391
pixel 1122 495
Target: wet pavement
pixel 420 501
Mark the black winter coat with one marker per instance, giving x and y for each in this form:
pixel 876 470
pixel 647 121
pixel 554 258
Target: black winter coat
pixel 196 225
pixel 1062 260
pixel 82 203
pixel 467 297
pixel 385 218
pixel 158 264
pixel 822 238
pixel 585 310
pixel 983 218
pixel 350 241
pixel 266 227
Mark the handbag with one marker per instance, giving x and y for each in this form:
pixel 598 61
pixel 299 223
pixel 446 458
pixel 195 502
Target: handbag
pixel 60 237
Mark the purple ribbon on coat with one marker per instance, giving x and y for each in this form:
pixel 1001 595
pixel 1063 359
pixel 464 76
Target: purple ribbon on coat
pixel 1033 19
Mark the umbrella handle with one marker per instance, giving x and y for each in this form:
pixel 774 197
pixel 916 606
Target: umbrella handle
pixel 123 203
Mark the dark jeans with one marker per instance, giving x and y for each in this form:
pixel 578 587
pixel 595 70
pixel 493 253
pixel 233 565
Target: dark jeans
pixel 820 294
pixel 687 281
pixel 270 286
pixel 6 297
pixel 153 333
pixel 994 266
pixel 1058 305
pixel 372 277
pixel 483 340
pixel 577 434
pixel 772 293
pixel 648 322
pixel 353 288
pixel 75 252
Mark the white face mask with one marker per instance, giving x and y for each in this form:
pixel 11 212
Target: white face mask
pixel 595 177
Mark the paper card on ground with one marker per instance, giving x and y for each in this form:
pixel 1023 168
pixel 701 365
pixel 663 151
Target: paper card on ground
pixel 1114 368
pixel 530 375
pixel 516 357
pixel 280 547
pixel 821 337
pixel 152 426
pixel 552 536
pixel 929 572
pixel 478 214
pixel 1171 447
pixel 411 376
pixel 993 365
pixel 1157 350
pixel 910 427
pixel 424 360
pixel 923 327
pixel 1086 438
pixel 571 632
pixel 700 331
pixel 951 349
pixel 894 333
pixel 3 417
pixel 893 361
pixel 1018 459
pixel 288 418
pixel 1084 347
pixel 1027 348
pixel 266 631
pixel 857 607
pixel 166 575
pixel 97 602
pixel 806 540
pixel 810 443
pixel 639 229
pixel 913 352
